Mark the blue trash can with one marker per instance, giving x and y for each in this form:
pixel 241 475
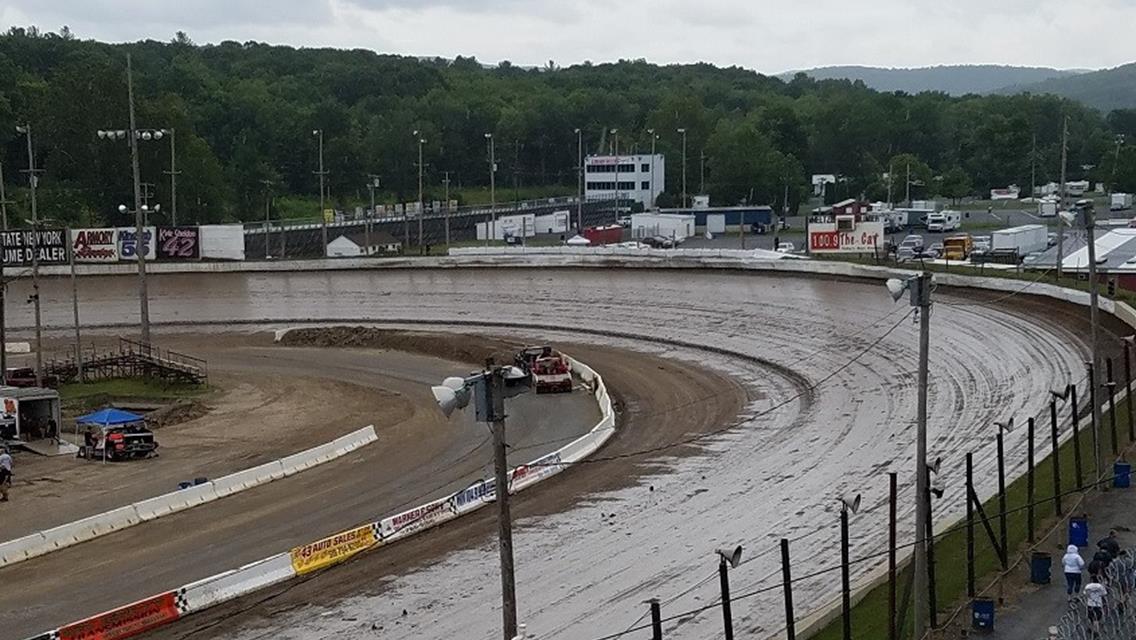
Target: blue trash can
pixel 1040 565
pixel 982 614
pixel 1121 472
pixel 1079 531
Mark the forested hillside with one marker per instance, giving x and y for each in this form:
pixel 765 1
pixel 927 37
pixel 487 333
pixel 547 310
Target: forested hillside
pixel 244 113
pixel 1107 89
pixel 957 80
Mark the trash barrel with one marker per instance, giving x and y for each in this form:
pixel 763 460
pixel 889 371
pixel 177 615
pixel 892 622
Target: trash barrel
pixel 184 485
pixel 1121 472
pixel 1040 565
pixel 1079 531
pixel 200 480
pixel 982 610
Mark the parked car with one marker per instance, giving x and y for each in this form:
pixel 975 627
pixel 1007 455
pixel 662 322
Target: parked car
pixel 910 249
pixel 786 247
pixel 624 221
pixel 659 242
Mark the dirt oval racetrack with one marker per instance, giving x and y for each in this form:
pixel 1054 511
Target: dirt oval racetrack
pixel 828 369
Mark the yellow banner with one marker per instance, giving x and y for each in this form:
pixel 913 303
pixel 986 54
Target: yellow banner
pixel 332 549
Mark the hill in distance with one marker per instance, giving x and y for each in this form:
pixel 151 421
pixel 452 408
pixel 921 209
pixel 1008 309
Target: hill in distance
pixel 1105 90
pixel 952 79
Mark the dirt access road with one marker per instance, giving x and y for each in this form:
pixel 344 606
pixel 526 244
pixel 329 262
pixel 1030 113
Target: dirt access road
pixel 419 456
pixel 829 371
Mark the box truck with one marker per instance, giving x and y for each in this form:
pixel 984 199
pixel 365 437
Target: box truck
pixel 942 221
pixel 1120 202
pixel 1023 240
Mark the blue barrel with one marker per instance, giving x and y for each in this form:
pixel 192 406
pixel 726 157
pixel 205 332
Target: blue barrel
pixel 1040 565
pixel 982 614
pixel 1121 472
pixel 1079 531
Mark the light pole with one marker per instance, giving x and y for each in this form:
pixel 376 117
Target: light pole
pixel 579 180
pixel 727 559
pixel 267 214
pixel 491 228
pixel 1115 162
pixel 421 204
pixel 653 139
pixel 371 186
pixel 26 129
pixel 488 390
pixel 446 182
pixel 1085 207
pixel 615 152
pixel 4 202
pixel 683 132
pixel 322 174
pixel 75 305
pixel 847 505
pixel 920 289
pixel 173 173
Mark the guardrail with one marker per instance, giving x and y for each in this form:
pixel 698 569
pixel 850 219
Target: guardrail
pixel 138 617
pixel 72 533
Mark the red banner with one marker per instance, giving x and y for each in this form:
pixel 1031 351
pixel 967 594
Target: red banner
pixel 124 622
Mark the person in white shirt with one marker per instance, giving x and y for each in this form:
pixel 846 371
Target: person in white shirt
pixel 5 474
pixel 1094 600
pixel 1073 564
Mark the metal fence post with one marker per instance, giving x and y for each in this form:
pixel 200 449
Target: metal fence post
pixel 1029 483
pixel 787 581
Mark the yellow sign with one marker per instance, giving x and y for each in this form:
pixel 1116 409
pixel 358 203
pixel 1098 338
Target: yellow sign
pixel 329 215
pixel 332 549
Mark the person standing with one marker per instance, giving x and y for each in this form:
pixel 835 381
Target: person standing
pixel 1110 544
pixel 5 474
pixel 1094 601
pixel 1073 565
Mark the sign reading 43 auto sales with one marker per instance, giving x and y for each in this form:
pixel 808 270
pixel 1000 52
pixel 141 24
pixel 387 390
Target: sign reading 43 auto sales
pixel 864 237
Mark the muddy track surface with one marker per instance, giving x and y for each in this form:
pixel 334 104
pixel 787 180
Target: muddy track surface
pixel 649 527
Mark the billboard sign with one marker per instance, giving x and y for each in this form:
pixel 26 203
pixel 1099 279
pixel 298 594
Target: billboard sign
pixel 179 243
pixel 834 237
pixel 127 243
pixel 50 246
pixel 94 245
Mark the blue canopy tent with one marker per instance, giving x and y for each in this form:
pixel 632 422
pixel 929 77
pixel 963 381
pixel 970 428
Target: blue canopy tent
pixel 108 417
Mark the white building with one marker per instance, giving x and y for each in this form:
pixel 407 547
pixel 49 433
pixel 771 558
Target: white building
pixel 638 177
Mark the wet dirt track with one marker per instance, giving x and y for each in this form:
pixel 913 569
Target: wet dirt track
pixel 584 572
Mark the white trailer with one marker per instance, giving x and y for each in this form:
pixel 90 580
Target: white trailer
pixel 669 225
pixel 943 221
pixel 1120 202
pixel 555 222
pixel 1047 207
pixel 522 226
pixel 1026 239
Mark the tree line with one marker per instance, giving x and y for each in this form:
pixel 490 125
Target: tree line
pixel 244 114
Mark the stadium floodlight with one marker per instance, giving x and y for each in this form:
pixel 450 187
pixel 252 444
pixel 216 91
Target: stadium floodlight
pixel 850 503
pixel 1005 426
pixel 452 394
pixel 122 208
pixel 897 286
pixel 733 557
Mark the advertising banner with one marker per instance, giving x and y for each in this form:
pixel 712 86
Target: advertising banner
pixel 179 243
pixel 95 245
pixel 472 496
pixel 863 237
pixel 332 549
pixel 50 245
pixel 419 518
pixel 126 241
pixel 535 471
pixel 124 622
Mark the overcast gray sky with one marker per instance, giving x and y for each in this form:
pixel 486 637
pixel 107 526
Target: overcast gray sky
pixel 767 35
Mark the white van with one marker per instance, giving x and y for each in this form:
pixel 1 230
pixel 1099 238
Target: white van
pixel 943 221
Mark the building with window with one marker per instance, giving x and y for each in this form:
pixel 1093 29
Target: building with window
pixel 634 177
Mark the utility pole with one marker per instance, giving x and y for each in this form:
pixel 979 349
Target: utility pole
pixel 446 182
pixel 1115 162
pixel 1061 196
pixel 683 132
pixel 702 172
pixel 173 174
pixel 651 197
pixel 75 305
pixel 891 181
pixel 267 214
pixel 4 202
pixel 371 186
pixel 907 195
pixel 1086 207
pixel 139 227
pixel 322 174
pixel 516 175
pixel 1033 165
pixel 504 518
pixel 615 154
pixel 491 230
pixel 921 298
pixel 421 203
pixel 32 180
pixel 579 181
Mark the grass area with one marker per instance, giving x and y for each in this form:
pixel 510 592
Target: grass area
pixel 869 617
pixel 299 207
pixel 102 392
pixel 480 195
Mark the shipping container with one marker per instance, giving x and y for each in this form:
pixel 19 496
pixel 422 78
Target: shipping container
pixel 675 226
pixel 611 234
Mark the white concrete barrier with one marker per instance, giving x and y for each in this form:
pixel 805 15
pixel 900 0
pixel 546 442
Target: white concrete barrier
pixel 225 586
pixel 65 535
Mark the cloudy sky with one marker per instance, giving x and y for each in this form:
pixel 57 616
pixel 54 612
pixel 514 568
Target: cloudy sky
pixel 767 35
